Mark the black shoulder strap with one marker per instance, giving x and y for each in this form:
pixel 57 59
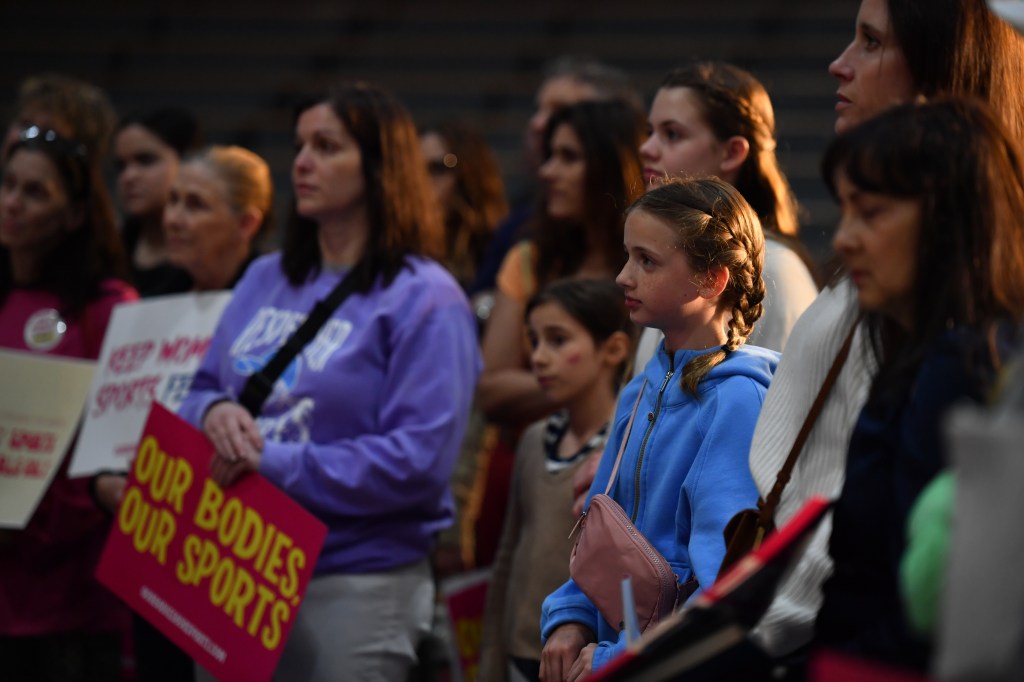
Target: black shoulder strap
pixel 261 383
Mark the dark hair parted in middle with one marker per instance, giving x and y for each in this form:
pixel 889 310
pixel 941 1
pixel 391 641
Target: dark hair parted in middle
pixel 715 227
pixel 404 217
pixel 178 128
pixel 959 161
pixel 610 134
pixel 596 304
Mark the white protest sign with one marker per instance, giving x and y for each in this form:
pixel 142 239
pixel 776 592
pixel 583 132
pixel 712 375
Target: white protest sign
pixel 151 350
pixel 40 405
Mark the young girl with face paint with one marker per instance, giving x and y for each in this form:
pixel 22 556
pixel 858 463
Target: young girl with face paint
pixel 695 251
pixel 581 337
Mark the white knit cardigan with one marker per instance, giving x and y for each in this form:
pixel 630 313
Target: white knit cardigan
pixel 821 467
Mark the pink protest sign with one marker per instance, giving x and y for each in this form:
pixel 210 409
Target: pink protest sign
pixel 221 572
pixel 466 597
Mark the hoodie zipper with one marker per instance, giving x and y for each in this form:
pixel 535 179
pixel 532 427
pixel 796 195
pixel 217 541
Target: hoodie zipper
pixel 651 417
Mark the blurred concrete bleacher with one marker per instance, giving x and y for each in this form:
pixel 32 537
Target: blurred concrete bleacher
pixel 240 65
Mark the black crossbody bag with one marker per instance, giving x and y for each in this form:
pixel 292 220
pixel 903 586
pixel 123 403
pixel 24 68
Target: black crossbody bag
pixel 260 384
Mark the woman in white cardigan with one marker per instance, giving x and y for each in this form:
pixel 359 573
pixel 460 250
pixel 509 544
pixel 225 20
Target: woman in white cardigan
pixel 714 118
pixel 888 62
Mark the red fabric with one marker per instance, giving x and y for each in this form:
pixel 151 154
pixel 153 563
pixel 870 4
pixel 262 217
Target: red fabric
pixel 830 666
pixel 491 519
pixel 46 570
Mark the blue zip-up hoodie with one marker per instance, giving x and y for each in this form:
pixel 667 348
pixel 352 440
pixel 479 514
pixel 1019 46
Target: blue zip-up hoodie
pixel 363 428
pixel 684 472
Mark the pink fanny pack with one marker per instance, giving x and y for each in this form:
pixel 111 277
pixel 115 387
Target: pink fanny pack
pixel 610 548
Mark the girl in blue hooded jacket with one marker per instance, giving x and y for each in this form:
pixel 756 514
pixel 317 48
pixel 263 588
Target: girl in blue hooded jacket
pixel 695 253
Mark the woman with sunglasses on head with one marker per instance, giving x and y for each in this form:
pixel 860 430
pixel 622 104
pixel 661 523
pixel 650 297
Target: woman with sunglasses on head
pixel 364 431
pixel 70 107
pixel 62 271
pixel 901 50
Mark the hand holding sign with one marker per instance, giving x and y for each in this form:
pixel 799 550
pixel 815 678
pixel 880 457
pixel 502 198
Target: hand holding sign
pixel 220 572
pixel 237 441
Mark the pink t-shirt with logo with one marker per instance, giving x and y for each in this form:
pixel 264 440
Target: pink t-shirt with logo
pixel 46 570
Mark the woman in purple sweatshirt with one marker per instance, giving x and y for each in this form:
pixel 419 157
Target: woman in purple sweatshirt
pixel 364 426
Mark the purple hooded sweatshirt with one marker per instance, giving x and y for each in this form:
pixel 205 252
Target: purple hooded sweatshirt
pixel 363 428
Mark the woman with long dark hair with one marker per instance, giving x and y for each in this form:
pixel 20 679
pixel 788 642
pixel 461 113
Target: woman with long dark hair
pixel 901 50
pixel 932 236
pixel 61 273
pixel 590 175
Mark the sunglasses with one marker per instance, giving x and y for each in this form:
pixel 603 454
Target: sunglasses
pixel 71 158
pixel 35 134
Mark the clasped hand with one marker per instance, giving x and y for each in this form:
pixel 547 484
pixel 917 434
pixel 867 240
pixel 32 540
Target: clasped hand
pixel 236 439
pixel 568 655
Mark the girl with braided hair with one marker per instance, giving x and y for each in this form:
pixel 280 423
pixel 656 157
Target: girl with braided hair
pixel 711 118
pixel 695 251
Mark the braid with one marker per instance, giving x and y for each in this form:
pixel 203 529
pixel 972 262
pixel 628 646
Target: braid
pixel 747 289
pixel 697 368
pixel 747 286
pixel 717 229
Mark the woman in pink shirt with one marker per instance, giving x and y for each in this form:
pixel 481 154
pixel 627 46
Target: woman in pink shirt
pixel 61 273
